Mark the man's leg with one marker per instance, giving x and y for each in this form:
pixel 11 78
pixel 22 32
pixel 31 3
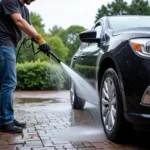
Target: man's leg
pixel 7 87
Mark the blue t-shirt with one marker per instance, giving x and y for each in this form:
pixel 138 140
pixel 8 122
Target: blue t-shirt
pixel 10 34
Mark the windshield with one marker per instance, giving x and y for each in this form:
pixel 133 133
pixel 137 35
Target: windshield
pixel 125 22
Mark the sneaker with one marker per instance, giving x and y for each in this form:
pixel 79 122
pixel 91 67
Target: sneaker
pixel 11 128
pixel 19 124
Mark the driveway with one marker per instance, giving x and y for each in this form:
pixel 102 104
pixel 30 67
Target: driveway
pixel 53 125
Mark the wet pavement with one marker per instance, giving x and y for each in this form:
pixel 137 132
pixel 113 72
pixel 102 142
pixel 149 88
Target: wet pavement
pixel 53 125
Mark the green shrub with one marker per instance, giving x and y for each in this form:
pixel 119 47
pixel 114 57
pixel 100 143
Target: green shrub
pixel 40 76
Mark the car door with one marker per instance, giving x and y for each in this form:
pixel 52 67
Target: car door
pixel 77 58
pixel 90 55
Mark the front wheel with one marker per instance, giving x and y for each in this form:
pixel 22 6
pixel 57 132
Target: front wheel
pixel 111 106
pixel 76 102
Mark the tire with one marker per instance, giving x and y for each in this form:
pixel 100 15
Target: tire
pixel 76 102
pixel 111 107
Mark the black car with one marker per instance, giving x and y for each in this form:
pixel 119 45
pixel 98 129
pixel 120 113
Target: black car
pixel 115 57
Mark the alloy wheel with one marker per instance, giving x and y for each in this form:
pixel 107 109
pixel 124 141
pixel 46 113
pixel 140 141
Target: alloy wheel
pixel 108 102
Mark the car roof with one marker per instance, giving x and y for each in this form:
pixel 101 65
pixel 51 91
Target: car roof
pixel 120 16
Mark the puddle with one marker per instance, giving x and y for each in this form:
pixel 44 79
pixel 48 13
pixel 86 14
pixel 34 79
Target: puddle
pixel 35 100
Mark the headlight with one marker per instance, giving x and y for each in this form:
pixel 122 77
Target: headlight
pixel 141 46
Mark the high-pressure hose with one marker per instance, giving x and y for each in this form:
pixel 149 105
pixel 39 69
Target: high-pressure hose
pixel 27 46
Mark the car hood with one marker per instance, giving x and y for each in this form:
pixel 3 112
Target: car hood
pixel 140 31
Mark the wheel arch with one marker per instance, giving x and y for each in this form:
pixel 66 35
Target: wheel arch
pixel 110 62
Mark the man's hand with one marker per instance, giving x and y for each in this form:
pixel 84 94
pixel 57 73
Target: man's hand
pixel 43 46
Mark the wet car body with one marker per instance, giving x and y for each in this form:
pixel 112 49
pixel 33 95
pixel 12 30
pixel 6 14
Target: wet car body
pixel 116 48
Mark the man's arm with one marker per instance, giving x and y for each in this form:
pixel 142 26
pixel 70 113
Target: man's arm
pixel 31 31
pixel 24 25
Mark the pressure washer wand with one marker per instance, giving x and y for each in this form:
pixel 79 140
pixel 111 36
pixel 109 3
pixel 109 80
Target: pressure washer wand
pixel 48 53
pixel 52 53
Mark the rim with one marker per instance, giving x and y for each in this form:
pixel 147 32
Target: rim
pixel 72 93
pixel 108 102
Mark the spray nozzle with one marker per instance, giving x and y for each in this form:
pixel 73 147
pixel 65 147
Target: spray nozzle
pixel 52 53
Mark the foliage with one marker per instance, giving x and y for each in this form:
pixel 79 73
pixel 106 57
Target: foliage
pixel 70 38
pixel 139 7
pixel 58 47
pixel 37 22
pixel 40 76
pixel 120 7
pixel 55 30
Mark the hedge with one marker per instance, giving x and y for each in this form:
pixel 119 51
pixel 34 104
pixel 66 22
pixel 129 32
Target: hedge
pixel 41 76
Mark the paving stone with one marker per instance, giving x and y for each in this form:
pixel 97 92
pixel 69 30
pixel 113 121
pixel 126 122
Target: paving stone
pixel 99 145
pixel 72 149
pixel 68 146
pixel 33 143
pixel 60 142
pixel 108 144
pixel 47 143
pixel 118 145
pixel 6 135
pixel 78 144
pixel 16 141
pixel 44 138
pixel 8 148
pixel 91 148
pixel 24 148
pixel 59 146
pixel 45 148
pixel 17 136
pixel 87 144
pixel 3 143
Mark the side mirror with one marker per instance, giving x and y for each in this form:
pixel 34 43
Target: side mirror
pixel 89 36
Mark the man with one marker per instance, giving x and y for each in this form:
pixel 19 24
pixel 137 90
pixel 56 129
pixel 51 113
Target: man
pixel 14 20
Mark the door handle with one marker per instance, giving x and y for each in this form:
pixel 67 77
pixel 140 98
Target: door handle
pixel 82 57
pixel 74 58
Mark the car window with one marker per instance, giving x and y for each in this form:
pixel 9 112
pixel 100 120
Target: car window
pixel 126 22
pixel 99 30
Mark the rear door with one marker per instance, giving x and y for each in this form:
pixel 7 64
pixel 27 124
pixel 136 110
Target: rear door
pixel 77 58
pixel 90 55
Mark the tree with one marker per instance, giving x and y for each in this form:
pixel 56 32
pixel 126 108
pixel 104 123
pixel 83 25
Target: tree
pixel 55 30
pixel 73 40
pixel 120 7
pixel 70 38
pixel 103 11
pixel 58 47
pixel 37 22
pixel 139 7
